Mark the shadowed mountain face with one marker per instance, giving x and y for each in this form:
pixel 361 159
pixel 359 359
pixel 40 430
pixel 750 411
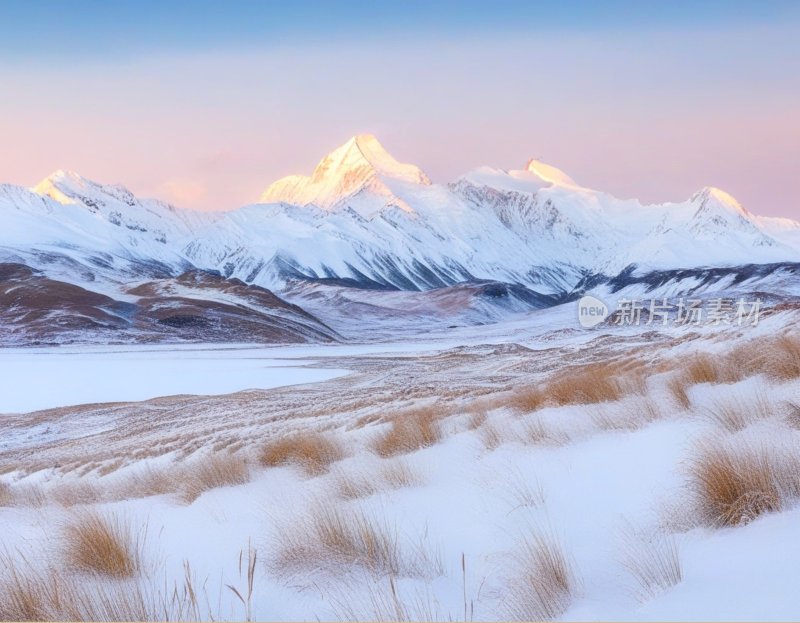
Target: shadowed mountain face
pixel 363 243
pixel 194 307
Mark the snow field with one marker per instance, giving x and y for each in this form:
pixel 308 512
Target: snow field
pixel 582 497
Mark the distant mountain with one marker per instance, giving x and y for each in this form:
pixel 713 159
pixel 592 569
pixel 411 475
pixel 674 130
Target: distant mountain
pixel 363 221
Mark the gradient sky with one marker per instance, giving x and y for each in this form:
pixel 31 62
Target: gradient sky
pixel 206 103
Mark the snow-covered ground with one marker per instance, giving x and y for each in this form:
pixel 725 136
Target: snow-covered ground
pixel 610 486
pixel 49 378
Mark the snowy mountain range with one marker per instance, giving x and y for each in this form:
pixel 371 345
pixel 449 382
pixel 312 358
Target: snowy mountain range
pixel 365 223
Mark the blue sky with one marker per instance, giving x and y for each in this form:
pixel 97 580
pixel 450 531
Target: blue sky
pixel 206 103
pixel 72 28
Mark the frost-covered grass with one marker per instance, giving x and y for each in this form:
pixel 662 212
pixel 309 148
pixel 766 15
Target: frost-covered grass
pixel 409 431
pixel 105 544
pixel 312 451
pixel 737 480
pixel 612 498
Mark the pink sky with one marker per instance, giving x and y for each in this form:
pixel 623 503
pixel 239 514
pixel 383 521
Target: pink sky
pixel 653 115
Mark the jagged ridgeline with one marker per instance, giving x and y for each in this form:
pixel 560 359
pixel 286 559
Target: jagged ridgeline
pixel 363 239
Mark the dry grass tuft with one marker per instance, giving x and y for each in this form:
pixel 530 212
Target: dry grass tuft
pixel 519 491
pixel 543 583
pixel 678 387
pixel 392 475
pixel 103 544
pixel 535 431
pixel 409 432
pixel 491 436
pixel 587 385
pixel 778 358
pixel 734 484
pixel 28 495
pixel 793 414
pixel 385 602
pixel 476 419
pixel 730 367
pixel 77 493
pixel 149 482
pixel 212 472
pixel 311 451
pixel 627 417
pixel 335 540
pixel 783 358
pixel 528 399
pixel 651 559
pixel 353 486
pixel 583 385
pixel 702 369
pixel 28 593
pixel 400 474
pixel 735 412
pixel 5 494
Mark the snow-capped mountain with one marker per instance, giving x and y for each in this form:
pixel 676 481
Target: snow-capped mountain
pixel 359 175
pixel 364 220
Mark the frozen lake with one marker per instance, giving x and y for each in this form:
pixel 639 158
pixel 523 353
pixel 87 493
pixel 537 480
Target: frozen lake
pixel 44 378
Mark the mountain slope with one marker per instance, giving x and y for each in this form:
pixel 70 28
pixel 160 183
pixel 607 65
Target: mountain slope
pixel 363 221
pixel 358 174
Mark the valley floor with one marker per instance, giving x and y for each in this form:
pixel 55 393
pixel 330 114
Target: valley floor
pixel 523 470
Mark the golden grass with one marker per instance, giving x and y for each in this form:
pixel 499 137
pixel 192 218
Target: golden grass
pixel 583 385
pixel 392 475
pixel 543 582
pixel 51 596
pixel 396 474
pixel 778 358
pixel 334 540
pixel 735 412
pixel 189 480
pixel 28 495
pixel 350 486
pixel 651 559
pixel 149 482
pixel 212 472
pixel 103 544
pixel 734 484
pixel 702 369
pixel 627 417
pixel 783 358
pixel 528 399
pixel 399 474
pixel 491 436
pixel 476 419
pixel 77 493
pixel 536 432
pixel 729 367
pixel 311 451
pixel 28 593
pixel 408 432
pixel 591 384
pixel 678 386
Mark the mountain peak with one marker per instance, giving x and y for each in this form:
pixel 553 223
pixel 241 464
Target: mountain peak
pixel 360 166
pixel 68 187
pixel 721 199
pixel 55 185
pixel 366 150
pixel 549 173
